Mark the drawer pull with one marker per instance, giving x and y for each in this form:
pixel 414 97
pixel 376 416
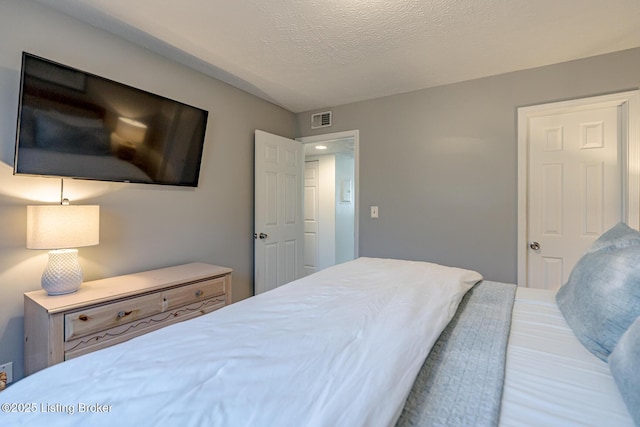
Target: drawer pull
pixel 83 317
pixel 198 293
pixel 122 314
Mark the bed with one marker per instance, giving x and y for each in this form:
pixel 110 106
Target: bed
pixel 372 342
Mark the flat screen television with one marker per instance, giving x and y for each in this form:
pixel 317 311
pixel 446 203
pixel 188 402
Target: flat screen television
pixel 75 124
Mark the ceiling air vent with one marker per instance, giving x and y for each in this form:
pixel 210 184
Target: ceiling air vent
pixel 321 120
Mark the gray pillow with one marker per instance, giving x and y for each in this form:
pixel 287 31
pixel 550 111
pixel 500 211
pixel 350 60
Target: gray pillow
pixel 602 296
pixel 624 362
pixel 619 236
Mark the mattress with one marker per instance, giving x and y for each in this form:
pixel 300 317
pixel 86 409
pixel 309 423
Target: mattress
pixel 550 378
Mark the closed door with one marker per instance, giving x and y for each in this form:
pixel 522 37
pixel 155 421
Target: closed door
pixel 575 189
pixel 278 219
pixel 311 216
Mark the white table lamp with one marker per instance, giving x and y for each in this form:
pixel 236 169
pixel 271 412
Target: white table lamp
pixel 62 228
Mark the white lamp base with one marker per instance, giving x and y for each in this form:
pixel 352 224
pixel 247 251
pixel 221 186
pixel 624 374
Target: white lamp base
pixel 63 274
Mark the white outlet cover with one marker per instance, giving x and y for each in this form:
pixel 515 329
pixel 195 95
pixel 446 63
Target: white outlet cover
pixel 8 368
pixel 374 212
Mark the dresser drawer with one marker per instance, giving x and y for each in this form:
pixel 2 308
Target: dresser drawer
pixel 192 293
pixel 91 320
pixel 89 343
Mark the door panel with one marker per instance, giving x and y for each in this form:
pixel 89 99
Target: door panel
pixel 593 199
pixel 552 197
pixel 278 216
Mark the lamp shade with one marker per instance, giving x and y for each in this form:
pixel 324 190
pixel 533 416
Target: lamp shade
pixel 131 130
pixel 62 227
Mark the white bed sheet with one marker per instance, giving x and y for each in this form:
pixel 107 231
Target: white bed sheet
pixel 551 379
pixel 339 348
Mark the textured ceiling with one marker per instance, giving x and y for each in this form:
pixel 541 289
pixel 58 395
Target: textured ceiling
pixel 310 54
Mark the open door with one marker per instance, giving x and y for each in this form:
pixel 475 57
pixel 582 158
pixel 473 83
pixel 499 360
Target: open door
pixel 278 219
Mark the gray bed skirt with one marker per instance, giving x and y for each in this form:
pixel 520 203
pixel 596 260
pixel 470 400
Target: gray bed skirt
pixel 460 383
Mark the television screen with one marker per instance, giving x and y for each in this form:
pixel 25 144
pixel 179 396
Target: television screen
pixel 78 125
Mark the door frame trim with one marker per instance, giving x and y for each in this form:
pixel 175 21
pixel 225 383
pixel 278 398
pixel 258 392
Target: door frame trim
pixel 318 218
pixel 355 134
pixel 629 103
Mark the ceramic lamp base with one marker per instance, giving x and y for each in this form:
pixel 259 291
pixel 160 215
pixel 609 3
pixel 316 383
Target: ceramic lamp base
pixel 63 274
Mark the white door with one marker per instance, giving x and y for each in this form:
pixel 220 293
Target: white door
pixel 278 220
pixel 575 189
pixel 311 216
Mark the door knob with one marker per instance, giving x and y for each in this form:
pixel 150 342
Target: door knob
pixel 534 245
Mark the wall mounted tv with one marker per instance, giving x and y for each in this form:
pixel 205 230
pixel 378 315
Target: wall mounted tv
pixel 77 125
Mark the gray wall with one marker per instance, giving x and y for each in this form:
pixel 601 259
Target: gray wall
pixel 441 163
pixel 142 226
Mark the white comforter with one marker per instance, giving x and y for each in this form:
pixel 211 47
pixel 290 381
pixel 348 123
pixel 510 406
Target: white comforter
pixel 338 348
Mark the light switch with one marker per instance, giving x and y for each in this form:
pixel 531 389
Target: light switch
pixel 374 212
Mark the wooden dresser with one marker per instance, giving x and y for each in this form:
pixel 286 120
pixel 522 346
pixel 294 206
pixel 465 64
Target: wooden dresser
pixel 109 311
